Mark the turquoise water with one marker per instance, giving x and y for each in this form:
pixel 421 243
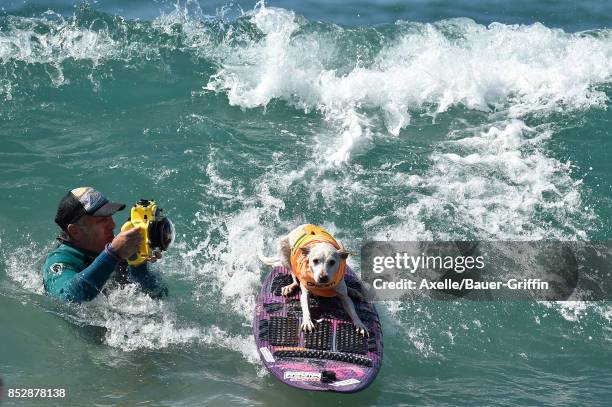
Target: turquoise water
pixel 382 120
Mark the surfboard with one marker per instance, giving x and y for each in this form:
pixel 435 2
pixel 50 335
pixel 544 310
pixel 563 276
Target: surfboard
pixel 334 357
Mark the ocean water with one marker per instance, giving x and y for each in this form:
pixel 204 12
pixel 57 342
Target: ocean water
pixel 388 120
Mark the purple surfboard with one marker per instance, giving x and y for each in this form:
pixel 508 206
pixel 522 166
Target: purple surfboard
pixel 332 358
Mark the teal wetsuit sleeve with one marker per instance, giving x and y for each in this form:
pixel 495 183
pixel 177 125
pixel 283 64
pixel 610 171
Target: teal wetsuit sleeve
pixel 149 281
pixel 63 281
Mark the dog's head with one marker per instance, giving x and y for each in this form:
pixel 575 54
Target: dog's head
pixel 324 260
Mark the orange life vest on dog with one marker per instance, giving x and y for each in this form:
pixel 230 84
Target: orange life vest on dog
pixel 299 262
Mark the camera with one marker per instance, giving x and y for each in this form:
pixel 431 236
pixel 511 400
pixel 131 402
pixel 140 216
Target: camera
pixel 157 230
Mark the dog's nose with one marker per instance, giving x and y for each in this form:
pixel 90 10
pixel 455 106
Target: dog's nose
pixel 323 278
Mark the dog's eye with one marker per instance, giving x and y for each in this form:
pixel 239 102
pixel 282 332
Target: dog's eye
pixel 331 262
pixel 316 261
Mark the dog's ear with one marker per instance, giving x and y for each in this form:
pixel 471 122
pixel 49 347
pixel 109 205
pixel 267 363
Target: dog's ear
pixel 305 251
pixel 343 254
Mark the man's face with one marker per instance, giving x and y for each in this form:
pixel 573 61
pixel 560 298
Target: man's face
pixel 94 232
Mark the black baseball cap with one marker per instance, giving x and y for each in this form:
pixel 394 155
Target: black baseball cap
pixel 84 201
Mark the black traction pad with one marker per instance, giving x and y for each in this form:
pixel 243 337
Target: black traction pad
pixel 322 354
pixel 320 338
pixel 349 340
pixel 283 331
pixel 279 282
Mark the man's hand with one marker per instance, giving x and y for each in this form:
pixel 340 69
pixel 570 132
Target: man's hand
pixel 156 255
pixel 125 244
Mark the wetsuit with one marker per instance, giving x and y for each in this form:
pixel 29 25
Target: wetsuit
pixel 76 275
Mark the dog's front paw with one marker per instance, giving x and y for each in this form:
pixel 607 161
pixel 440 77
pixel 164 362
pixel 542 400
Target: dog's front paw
pixel 288 289
pixel 361 328
pixel 307 325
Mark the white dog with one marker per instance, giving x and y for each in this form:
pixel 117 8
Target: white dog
pixel 318 263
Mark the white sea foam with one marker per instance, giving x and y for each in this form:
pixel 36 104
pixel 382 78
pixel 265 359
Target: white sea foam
pixel 421 341
pixel 62 41
pixel 135 321
pixel 24 264
pixel 515 70
pixel 495 183
pixel 224 259
pixel 575 311
pixel 52 40
pixel 6 89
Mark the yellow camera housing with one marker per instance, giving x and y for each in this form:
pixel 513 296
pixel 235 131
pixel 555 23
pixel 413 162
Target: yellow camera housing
pixel 157 230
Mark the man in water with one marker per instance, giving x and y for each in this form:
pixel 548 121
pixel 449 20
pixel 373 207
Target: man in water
pixel 89 252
